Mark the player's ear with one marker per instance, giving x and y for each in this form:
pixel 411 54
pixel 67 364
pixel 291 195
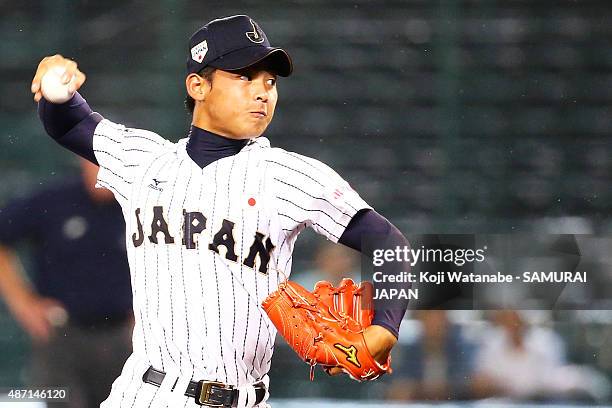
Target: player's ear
pixel 197 87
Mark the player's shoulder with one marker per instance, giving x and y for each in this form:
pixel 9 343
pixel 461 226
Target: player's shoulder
pixel 297 162
pixel 125 152
pixel 119 133
pixel 284 164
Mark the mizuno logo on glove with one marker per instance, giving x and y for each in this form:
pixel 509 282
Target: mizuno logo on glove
pixel 351 353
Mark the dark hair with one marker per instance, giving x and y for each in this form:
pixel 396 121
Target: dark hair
pixel 207 74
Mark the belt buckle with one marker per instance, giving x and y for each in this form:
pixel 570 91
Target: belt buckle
pixel 204 388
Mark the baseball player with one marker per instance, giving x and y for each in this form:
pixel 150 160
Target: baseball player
pixel 211 222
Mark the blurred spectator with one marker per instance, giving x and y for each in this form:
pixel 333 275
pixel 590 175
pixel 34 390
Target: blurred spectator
pixel 78 309
pixel 332 263
pixel 528 363
pixel 437 365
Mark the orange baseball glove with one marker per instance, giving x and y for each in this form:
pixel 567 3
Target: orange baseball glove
pixel 326 326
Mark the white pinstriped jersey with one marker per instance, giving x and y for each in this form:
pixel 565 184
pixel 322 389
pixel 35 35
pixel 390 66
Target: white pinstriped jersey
pixel 206 246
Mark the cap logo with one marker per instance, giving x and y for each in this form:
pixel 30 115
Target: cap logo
pixel 256 35
pixel 198 52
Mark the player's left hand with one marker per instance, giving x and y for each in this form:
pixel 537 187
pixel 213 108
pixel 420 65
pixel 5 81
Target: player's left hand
pixel 379 341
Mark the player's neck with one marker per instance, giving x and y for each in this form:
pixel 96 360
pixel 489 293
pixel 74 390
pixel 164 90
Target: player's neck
pixel 209 137
pixel 205 147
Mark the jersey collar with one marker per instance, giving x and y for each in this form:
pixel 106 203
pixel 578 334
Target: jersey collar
pixel 205 147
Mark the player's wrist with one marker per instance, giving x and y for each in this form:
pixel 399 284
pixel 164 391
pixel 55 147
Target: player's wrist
pixel 379 341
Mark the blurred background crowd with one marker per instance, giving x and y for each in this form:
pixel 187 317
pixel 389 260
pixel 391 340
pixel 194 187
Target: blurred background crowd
pixel 449 116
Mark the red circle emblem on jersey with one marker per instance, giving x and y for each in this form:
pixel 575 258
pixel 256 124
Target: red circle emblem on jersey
pixel 252 201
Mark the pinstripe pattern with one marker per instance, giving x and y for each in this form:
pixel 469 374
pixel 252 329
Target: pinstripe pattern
pixel 218 292
pixel 259 191
pixel 135 287
pixel 245 177
pixel 169 273
pixel 157 271
pixel 198 312
pixel 185 291
pixel 229 188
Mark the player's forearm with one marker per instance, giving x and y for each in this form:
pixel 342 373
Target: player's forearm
pixel 369 222
pixel 71 124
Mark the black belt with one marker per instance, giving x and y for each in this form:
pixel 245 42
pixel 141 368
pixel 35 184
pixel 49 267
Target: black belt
pixel 208 393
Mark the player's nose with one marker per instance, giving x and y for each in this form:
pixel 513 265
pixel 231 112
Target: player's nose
pixel 260 91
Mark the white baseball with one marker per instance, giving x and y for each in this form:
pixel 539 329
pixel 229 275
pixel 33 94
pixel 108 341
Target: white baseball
pixel 52 87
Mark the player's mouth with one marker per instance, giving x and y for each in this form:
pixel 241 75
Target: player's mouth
pixel 258 114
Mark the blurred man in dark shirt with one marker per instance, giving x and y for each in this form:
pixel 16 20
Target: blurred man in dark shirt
pixel 439 363
pixel 78 308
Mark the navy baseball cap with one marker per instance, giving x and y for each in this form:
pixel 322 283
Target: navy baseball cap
pixel 234 43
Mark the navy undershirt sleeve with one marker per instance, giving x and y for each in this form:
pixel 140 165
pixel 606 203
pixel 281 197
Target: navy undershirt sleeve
pixel 370 222
pixel 71 124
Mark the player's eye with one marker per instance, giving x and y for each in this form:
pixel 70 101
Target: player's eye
pixel 244 78
pixel 271 81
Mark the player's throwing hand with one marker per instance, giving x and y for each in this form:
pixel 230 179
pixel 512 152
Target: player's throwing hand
pixel 72 75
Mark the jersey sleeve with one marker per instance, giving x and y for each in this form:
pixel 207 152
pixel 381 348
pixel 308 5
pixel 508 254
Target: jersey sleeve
pixel 122 153
pixel 308 192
